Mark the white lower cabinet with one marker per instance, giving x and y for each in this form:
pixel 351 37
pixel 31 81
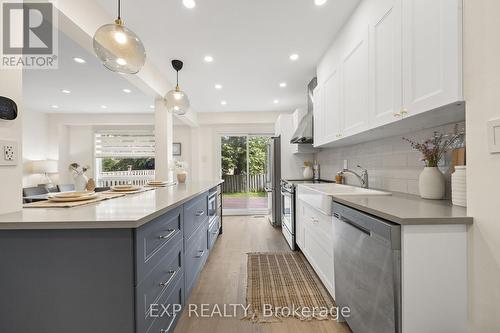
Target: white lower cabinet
pixel 314 236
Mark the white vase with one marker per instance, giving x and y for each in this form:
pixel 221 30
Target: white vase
pixel 308 173
pixel 431 183
pixel 459 186
pixel 81 182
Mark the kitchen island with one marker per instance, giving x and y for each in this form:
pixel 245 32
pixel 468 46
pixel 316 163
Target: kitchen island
pixel 100 267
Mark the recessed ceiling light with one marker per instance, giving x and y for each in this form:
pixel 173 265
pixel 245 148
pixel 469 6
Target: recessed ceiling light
pixel 276 101
pixel 104 107
pixel 151 106
pixel 66 91
pixel 190 4
pixel 218 86
pixel 79 60
pixel 223 102
pixel 127 91
pixel 294 56
pixel 208 58
pixel 320 2
pixel 283 84
pixel 55 106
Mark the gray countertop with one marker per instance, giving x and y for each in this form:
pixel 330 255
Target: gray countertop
pixel 407 209
pixel 130 211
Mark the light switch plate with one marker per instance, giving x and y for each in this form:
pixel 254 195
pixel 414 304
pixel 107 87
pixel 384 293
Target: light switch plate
pixel 494 135
pixel 9 155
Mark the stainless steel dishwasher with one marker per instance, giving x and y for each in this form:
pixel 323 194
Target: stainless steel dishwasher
pixel 367 257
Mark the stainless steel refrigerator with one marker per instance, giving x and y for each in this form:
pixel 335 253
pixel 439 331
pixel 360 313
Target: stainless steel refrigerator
pixel 273 177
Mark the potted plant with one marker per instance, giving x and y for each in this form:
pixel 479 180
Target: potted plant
pixel 180 169
pixel 431 182
pixel 79 176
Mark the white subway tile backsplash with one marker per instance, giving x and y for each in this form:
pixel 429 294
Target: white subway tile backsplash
pixel 391 162
pixel 413 187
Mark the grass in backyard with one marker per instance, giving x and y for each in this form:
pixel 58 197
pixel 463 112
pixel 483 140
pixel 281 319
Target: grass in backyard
pixel 245 195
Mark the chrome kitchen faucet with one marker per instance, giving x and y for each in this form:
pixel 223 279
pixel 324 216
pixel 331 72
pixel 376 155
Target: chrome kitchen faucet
pixel 363 178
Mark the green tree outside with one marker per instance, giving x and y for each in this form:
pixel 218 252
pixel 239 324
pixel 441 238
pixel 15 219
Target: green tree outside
pixel 122 164
pixel 234 155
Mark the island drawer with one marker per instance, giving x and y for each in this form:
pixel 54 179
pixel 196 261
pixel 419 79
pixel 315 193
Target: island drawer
pixel 213 232
pixel 195 214
pixel 155 239
pixel 169 310
pixel 196 253
pixel 160 281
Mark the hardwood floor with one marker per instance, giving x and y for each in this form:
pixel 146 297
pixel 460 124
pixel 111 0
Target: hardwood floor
pixel 223 281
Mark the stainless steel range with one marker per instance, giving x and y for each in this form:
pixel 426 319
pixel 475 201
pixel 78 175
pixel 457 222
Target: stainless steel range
pixel 288 189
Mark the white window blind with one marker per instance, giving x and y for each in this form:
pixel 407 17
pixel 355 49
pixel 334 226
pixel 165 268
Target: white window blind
pixel 129 144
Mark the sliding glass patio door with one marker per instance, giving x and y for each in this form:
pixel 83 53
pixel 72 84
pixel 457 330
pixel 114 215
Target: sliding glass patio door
pixel 243 168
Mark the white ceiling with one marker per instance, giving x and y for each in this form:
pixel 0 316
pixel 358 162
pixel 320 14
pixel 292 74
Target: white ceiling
pixel 91 86
pixel 250 40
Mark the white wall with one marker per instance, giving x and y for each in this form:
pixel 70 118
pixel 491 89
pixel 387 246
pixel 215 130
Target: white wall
pixel 482 87
pixel 11 176
pixel 70 138
pixel 391 162
pixel 35 145
pixel 182 135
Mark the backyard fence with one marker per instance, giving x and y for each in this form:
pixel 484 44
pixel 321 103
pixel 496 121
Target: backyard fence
pixel 238 183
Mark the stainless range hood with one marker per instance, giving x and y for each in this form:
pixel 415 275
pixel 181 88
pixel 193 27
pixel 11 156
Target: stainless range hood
pixel 305 130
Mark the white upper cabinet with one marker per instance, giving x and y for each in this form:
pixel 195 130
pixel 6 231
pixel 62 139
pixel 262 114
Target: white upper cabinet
pixel 385 63
pixel 331 124
pixel 319 125
pixel 355 108
pixel 432 50
pixel 393 58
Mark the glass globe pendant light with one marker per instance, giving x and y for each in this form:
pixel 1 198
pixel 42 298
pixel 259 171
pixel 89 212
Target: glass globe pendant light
pixel 119 48
pixel 176 100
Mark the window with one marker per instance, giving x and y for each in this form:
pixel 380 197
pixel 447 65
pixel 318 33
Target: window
pixel 124 157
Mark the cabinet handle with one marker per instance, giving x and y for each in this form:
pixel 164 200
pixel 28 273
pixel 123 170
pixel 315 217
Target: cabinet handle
pixel 215 232
pixel 202 252
pixel 314 220
pixel 172 274
pixel 170 233
pixel 200 213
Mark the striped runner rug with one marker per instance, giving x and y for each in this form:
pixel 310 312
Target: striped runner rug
pixel 283 285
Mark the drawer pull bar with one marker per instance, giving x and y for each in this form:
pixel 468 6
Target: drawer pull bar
pixel 169 325
pixel 200 213
pixel 172 274
pixel 202 252
pixel 170 233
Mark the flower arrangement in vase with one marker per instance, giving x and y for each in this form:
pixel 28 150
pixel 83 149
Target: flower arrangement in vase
pixel 180 169
pixel 431 182
pixel 79 176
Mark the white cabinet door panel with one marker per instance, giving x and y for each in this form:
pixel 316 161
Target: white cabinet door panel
pixel 319 133
pixel 299 225
pixel 331 109
pixel 432 72
pixel 385 57
pixel 355 87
